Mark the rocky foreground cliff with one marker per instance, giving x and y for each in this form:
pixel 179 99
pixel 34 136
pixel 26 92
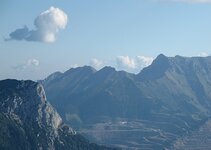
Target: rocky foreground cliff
pixel 29 122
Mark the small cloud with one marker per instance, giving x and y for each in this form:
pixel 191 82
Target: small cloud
pixel 143 61
pixel 96 63
pixel 125 62
pixel 133 64
pixel 19 67
pixel 74 66
pixel 31 63
pixel 203 54
pixel 47 25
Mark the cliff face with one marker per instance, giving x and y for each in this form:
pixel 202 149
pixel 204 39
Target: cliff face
pixel 28 121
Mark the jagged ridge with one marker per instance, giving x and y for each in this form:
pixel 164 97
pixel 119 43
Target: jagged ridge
pixel 168 99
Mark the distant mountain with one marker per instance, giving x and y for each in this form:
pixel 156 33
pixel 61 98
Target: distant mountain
pixel 150 110
pixel 29 122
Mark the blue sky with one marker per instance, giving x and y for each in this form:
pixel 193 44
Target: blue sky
pixel 125 34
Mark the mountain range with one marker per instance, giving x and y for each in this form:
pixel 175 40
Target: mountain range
pixel 153 109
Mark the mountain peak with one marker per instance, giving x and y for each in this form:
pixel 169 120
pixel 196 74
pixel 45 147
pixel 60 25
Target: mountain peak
pixel 156 69
pixel 88 68
pixel 25 102
pixel 16 95
pixel 108 69
pixel 84 69
pixel 161 56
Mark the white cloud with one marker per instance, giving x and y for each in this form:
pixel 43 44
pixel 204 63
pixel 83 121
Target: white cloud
pixel 134 65
pixel 143 61
pixel 97 64
pixel 19 67
pixel 203 54
pixel 74 66
pixel 47 25
pixel 31 63
pixel 125 62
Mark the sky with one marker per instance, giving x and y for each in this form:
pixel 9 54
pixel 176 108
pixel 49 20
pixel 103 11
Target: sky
pixel 40 37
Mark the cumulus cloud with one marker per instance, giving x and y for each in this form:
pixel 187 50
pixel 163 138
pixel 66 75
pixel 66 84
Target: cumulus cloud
pixel 133 64
pixel 31 63
pixel 125 62
pixel 143 61
pixel 96 63
pixel 203 54
pixel 47 25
